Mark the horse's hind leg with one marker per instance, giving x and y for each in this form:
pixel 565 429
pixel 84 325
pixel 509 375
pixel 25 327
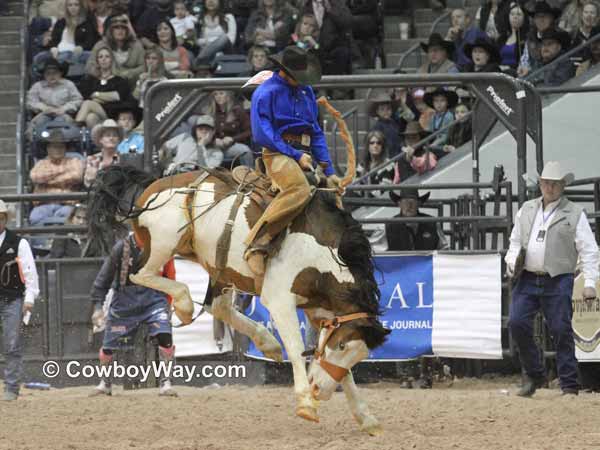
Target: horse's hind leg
pixel 359 408
pixel 222 308
pixel 149 275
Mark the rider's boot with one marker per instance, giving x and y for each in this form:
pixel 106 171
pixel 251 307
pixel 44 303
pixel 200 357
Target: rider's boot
pixel 167 357
pixel 105 386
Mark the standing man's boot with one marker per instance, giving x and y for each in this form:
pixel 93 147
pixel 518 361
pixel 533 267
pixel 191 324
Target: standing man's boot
pixel 530 385
pixel 167 357
pixel 105 386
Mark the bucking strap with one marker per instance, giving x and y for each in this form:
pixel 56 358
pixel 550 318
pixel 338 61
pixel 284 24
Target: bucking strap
pixel 224 242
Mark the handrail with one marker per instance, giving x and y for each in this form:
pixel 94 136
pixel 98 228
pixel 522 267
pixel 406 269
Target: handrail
pixel 416 46
pixel 531 76
pixel 20 128
pixel 352 111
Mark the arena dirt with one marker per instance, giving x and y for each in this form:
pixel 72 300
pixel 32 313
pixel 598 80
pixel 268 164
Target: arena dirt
pixel 470 414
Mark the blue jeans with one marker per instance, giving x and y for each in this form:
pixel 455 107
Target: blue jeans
pixel 50 212
pixel 11 314
pixel 553 297
pixel 240 153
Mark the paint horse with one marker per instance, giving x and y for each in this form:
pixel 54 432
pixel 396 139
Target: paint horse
pixel 323 265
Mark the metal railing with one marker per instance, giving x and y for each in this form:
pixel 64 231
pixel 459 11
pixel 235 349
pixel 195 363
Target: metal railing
pixel 22 115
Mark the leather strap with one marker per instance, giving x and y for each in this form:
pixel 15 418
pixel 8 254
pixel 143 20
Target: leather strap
pixel 336 372
pixel 224 242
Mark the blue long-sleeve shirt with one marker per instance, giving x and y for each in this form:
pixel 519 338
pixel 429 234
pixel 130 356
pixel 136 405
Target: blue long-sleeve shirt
pixel 279 108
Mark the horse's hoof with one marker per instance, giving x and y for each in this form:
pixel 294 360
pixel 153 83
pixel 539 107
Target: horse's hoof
pixel 184 317
pixel 275 354
pixel 373 428
pixel 307 413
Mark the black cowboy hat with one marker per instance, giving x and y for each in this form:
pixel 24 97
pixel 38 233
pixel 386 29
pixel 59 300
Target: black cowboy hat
pixel 451 96
pixel 544 8
pixel 127 106
pixel 487 45
pixel 55 136
pixel 436 40
pixel 302 65
pixel 52 63
pixel 398 195
pixel 560 36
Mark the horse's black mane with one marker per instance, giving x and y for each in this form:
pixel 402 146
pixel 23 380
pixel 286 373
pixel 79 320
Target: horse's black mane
pixel 354 252
pixel 111 201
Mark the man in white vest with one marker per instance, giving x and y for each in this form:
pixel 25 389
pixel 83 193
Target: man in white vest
pixel 550 233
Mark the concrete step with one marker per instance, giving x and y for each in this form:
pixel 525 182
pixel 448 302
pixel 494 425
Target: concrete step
pixel 9 97
pixel 8 177
pixel 10 67
pixel 391 25
pixel 9 24
pixel 7 145
pixel 414 60
pixel 383 71
pixel 8 162
pixel 8 129
pixel 9 83
pixel 399 45
pixel 8 113
pixel 427 15
pixel 357 145
pixel 10 37
pixel 4 190
pixel 9 52
pixel 16 8
pixel 423 30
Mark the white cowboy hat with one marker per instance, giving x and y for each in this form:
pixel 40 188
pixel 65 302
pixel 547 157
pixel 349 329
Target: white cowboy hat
pixel 553 171
pixel 107 124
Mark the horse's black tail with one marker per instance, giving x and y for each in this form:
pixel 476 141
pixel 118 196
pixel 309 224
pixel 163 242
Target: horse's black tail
pixel 111 202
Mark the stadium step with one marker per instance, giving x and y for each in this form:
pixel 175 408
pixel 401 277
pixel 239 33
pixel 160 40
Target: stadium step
pixel 9 37
pixel 10 24
pixel 412 61
pixel 10 52
pixel 10 67
pixel 8 83
pixel 8 177
pixel 392 45
pixel 7 162
pixel 8 113
pixel 7 146
pixel 8 129
pixel 8 190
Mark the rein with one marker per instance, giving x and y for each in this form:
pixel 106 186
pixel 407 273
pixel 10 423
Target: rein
pixel 331 325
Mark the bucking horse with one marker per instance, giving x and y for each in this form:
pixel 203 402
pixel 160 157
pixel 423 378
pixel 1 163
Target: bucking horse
pixel 321 263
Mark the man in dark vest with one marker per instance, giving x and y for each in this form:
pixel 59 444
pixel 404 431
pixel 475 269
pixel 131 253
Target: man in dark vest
pixel 409 237
pixel 131 306
pixel 412 236
pixel 18 290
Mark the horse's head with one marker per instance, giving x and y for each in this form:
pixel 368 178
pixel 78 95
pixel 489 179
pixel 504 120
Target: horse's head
pixel 343 342
pixel 351 309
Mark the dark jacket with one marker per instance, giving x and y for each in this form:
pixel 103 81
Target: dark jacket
pixel 407 237
pixel 86 34
pixel 460 133
pixel 391 131
pixel 67 248
pixel 11 285
pixel 146 25
pixel 258 19
pixel 238 129
pixel 337 25
pixel 557 75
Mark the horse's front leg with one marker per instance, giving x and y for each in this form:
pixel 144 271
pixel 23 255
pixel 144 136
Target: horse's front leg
pixel 359 408
pixel 282 306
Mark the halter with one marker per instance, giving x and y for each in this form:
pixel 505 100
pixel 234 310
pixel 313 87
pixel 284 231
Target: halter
pixel 334 371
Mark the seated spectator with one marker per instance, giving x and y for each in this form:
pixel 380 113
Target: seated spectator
pixel 439 54
pixel 460 132
pixel 101 10
pixel 461 33
pixel 366 30
pixel 73 245
pixel 335 27
pixel 184 23
pixel 127 50
pixel 424 112
pixel 402 107
pixel 413 236
pixel 258 58
pixel 554 44
pixel 403 168
pixel 72 37
pixel 106 136
pixel 488 14
pixel 52 97
pixel 442 101
pixel 154 71
pixel 483 56
pixel 103 90
pixel 232 128
pixel 594 54
pixel 589 19
pixel 128 117
pixel 306 33
pixel 188 152
pixel 270 25
pixel 55 174
pixel 175 57
pixel 218 33
pixel 40 36
pixel 375 154
pixel 512 39
pixel 571 16
pixel 544 19
pixel 154 13
pixel 380 107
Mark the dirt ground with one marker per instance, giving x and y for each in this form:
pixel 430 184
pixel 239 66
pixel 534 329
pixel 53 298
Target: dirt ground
pixel 470 414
